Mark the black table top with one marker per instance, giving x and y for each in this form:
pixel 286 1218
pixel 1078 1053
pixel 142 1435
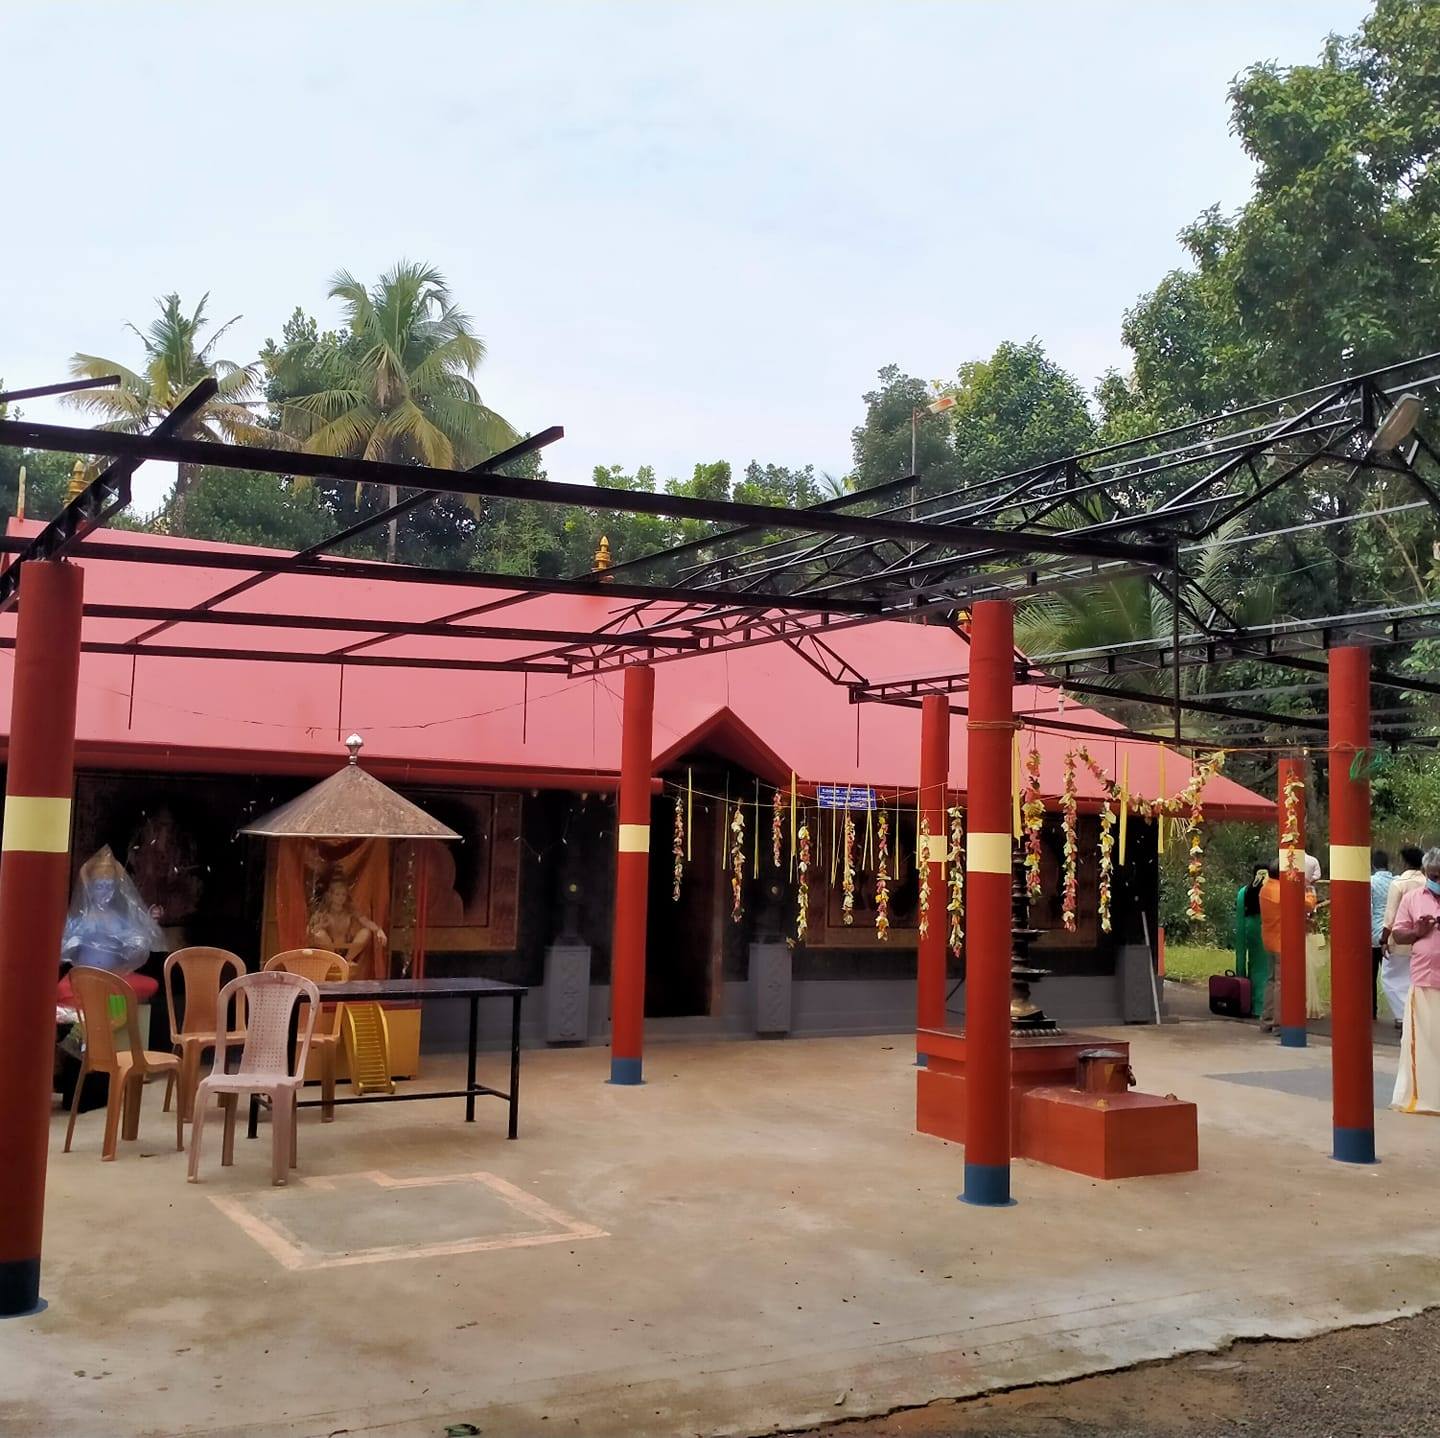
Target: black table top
pixel 421 989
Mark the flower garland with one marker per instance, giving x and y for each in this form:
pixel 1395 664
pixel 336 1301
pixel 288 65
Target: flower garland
pixel 678 846
pixel 1109 795
pixel 1032 814
pixel 847 873
pixel 737 862
pixel 1067 819
pixel 1290 835
pixel 777 829
pixel 802 915
pixel 956 906
pixel 882 877
pixel 924 876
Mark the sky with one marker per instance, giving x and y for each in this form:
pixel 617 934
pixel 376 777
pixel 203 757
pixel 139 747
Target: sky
pixel 686 231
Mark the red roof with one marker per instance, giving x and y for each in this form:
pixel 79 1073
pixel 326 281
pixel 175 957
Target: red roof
pixel 765 707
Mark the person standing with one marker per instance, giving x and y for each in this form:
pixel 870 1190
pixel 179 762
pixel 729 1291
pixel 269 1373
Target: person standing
pixel 1270 936
pixel 1251 960
pixel 1395 966
pixel 1417 923
pixel 1380 880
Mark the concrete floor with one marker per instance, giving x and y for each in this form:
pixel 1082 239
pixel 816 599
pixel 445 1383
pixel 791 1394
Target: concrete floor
pixel 755 1240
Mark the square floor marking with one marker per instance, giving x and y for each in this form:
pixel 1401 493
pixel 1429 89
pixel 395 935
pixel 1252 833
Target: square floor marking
pixel 332 1222
pixel 1306 1082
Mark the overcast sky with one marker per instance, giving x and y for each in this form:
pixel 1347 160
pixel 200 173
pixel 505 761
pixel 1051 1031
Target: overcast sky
pixel 685 231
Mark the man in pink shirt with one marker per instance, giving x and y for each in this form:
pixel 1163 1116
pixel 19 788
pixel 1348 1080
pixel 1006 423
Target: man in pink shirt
pixel 1417 923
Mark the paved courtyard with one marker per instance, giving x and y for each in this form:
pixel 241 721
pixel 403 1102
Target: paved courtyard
pixel 754 1240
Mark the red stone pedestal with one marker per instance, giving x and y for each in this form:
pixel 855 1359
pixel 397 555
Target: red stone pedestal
pixel 1113 1135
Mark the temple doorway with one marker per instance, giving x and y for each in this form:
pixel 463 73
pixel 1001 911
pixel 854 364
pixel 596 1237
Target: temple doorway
pixel 682 956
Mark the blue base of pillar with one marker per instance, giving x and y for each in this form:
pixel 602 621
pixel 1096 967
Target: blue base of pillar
pixel 19 1287
pixel 626 1071
pixel 1354 1145
pixel 987 1185
pixel 921 1061
pixel 1292 1038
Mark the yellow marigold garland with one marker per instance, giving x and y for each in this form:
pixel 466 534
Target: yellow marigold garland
pixel 802 910
pixel 737 862
pixel 924 876
pixel 1032 816
pixel 847 873
pixel 882 877
pixel 678 847
pixel 1067 819
pixel 956 906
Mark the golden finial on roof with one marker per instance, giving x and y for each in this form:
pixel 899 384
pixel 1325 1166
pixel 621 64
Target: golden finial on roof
pixel 603 560
pixel 20 494
pixel 77 481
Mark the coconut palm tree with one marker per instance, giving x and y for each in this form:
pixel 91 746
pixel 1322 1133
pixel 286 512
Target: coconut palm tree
pixel 176 360
pixel 406 394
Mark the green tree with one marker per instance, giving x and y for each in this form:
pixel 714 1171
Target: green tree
pixel 238 506
pixel 399 387
pixel 177 356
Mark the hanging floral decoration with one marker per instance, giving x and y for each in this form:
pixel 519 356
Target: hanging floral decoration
pixel 737 862
pixel 1032 816
pixel 847 873
pixel 802 912
pixel 924 876
pixel 1071 851
pixel 882 876
pixel 956 905
pixel 777 828
pixel 1290 834
pixel 678 846
pixel 1109 797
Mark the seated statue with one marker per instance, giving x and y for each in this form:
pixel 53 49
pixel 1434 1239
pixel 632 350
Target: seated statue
pixel 337 925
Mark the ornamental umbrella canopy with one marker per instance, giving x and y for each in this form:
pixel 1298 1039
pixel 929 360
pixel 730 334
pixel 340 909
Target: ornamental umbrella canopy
pixel 349 805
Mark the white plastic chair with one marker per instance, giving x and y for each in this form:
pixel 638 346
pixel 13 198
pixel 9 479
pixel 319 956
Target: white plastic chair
pixel 270 999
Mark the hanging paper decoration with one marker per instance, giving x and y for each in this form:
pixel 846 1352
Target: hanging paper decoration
pixel 956 905
pixel 1067 820
pixel 802 916
pixel 777 828
pixel 1033 815
pixel 679 846
pixel 924 875
pixel 737 861
pixel 882 877
pixel 847 873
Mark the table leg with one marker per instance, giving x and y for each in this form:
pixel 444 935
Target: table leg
pixel 253 1127
pixel 470 1062
pixel 514 1066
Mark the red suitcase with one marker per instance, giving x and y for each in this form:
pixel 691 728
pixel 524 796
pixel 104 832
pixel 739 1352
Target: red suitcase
pixel 1230 995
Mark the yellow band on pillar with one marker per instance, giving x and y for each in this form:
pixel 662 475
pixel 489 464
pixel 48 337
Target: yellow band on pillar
pixel 634 838
pixel 36 826
pixel 934 849
pixel 1350 861
pixel 987 853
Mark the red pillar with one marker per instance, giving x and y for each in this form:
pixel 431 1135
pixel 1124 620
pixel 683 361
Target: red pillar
pixel 934 779
pixel 987 878
pixel 632 880
pixel 1292 913
pixel 1350 972
pixel 34 890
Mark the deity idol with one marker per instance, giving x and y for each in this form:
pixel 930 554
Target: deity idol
pixel 337 925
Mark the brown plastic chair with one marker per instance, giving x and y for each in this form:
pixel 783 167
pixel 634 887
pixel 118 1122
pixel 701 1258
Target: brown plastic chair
pixel 320 966
pixel 269 1000
pixel 127 1069
pixel 204 971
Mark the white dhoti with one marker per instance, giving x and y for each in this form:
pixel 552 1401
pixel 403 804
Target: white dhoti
pixel 1417 1085
pixel 1395 982
pixel 1317 956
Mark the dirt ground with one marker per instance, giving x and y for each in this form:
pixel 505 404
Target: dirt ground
pixel 1374 1382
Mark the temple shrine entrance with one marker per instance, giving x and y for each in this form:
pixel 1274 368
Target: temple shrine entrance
pixel 682 936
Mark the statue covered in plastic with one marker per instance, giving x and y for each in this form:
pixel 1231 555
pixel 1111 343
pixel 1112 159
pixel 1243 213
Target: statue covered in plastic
pixel 109 925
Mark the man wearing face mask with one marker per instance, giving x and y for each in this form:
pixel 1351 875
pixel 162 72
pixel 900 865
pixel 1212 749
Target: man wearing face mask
pixel 1417 923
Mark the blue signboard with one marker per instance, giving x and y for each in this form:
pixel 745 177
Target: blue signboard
pixel 846 796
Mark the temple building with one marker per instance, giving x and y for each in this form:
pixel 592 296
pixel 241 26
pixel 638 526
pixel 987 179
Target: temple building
pixel 177 753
